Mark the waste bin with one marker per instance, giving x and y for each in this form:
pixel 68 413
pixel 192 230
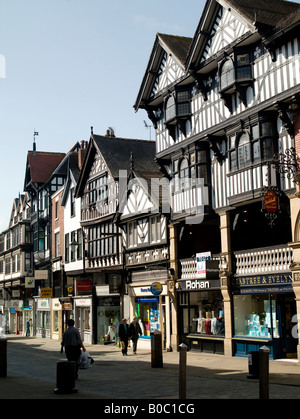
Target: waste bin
pixel 65 377
pixel 253 364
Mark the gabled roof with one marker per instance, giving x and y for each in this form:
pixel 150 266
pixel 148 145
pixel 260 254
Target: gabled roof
pixel 40 166
pixel 117 152
pixel 259 18
pixel 271 12
pixel 117 155
pixel 178 46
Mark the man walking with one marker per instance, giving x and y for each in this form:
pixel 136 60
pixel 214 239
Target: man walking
pixel 134 332
pixel 72 343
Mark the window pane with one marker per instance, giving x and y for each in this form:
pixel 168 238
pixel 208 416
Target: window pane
pixel 170 108
pixel 244 73
pixel 227 74
pixel 256 151
pixel 268 150
pixel 182 96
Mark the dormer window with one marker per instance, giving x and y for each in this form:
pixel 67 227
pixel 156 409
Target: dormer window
pixel 177 111
pixel 235 74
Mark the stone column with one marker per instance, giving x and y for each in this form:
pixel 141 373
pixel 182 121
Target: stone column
pixel 173 266
pixel 226 270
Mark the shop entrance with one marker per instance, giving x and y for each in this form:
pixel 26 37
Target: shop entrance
pixel 286 309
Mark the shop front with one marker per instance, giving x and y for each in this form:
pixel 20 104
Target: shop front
pixel 28 317
pixel 264 307
pixel 83 317
pixel 56 324
pixel 150 304
pixel 43 317
pixel 201 315
pixel 108 318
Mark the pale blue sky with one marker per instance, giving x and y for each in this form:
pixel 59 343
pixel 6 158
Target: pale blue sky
pixel 73 64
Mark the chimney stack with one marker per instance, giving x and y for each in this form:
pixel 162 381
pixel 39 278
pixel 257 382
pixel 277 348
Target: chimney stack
pixel 82 153
pixel 110 133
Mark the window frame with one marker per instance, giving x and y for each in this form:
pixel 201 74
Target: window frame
pixel 259 151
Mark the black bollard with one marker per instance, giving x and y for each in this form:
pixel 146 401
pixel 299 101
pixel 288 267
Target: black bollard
pixel 3 357
pixel 182 371
pixel 65 377
pixel 264 352
pixel 156 350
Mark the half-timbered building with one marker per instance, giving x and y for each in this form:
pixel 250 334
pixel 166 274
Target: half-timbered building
pixel 142 215
pixel 45 174
pixel 16 279
pixel 106 166
pixel 224 107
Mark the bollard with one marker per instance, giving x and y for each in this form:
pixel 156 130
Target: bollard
pixel 65 377
pixel 264 372
pixel 3 357
pixel 182 371
pixel 156 350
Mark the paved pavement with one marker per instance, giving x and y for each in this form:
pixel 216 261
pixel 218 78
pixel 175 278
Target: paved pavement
pixel 31 374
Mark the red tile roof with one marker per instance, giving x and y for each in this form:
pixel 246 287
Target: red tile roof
pixel 42 165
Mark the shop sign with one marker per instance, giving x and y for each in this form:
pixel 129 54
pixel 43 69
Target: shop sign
pixel 262 280
pixel 41 274
pixel 198 285
pixel 201 259
pixel 156 288
pixel 29 283
pixel 84 286
pixel 46 293
pixel 271 201
pixel 83 302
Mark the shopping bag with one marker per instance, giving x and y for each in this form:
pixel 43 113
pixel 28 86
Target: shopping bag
pixel 85 360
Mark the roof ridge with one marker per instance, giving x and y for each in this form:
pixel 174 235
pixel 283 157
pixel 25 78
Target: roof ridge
pixel 123 139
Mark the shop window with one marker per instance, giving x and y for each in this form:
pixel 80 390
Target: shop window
pixel 205 315
pixel 149 316
pixel 255 316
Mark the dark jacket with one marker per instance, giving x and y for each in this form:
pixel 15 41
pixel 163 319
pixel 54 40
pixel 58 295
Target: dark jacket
pixel 134 331
pixel 123 332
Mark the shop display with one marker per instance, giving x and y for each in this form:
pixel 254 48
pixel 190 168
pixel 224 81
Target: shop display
pixel 207 317
pixel 255 316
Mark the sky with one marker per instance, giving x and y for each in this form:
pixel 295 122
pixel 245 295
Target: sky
pixel 67 65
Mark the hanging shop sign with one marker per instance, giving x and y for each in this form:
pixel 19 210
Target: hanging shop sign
pixel 271 201
pixel 156 288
